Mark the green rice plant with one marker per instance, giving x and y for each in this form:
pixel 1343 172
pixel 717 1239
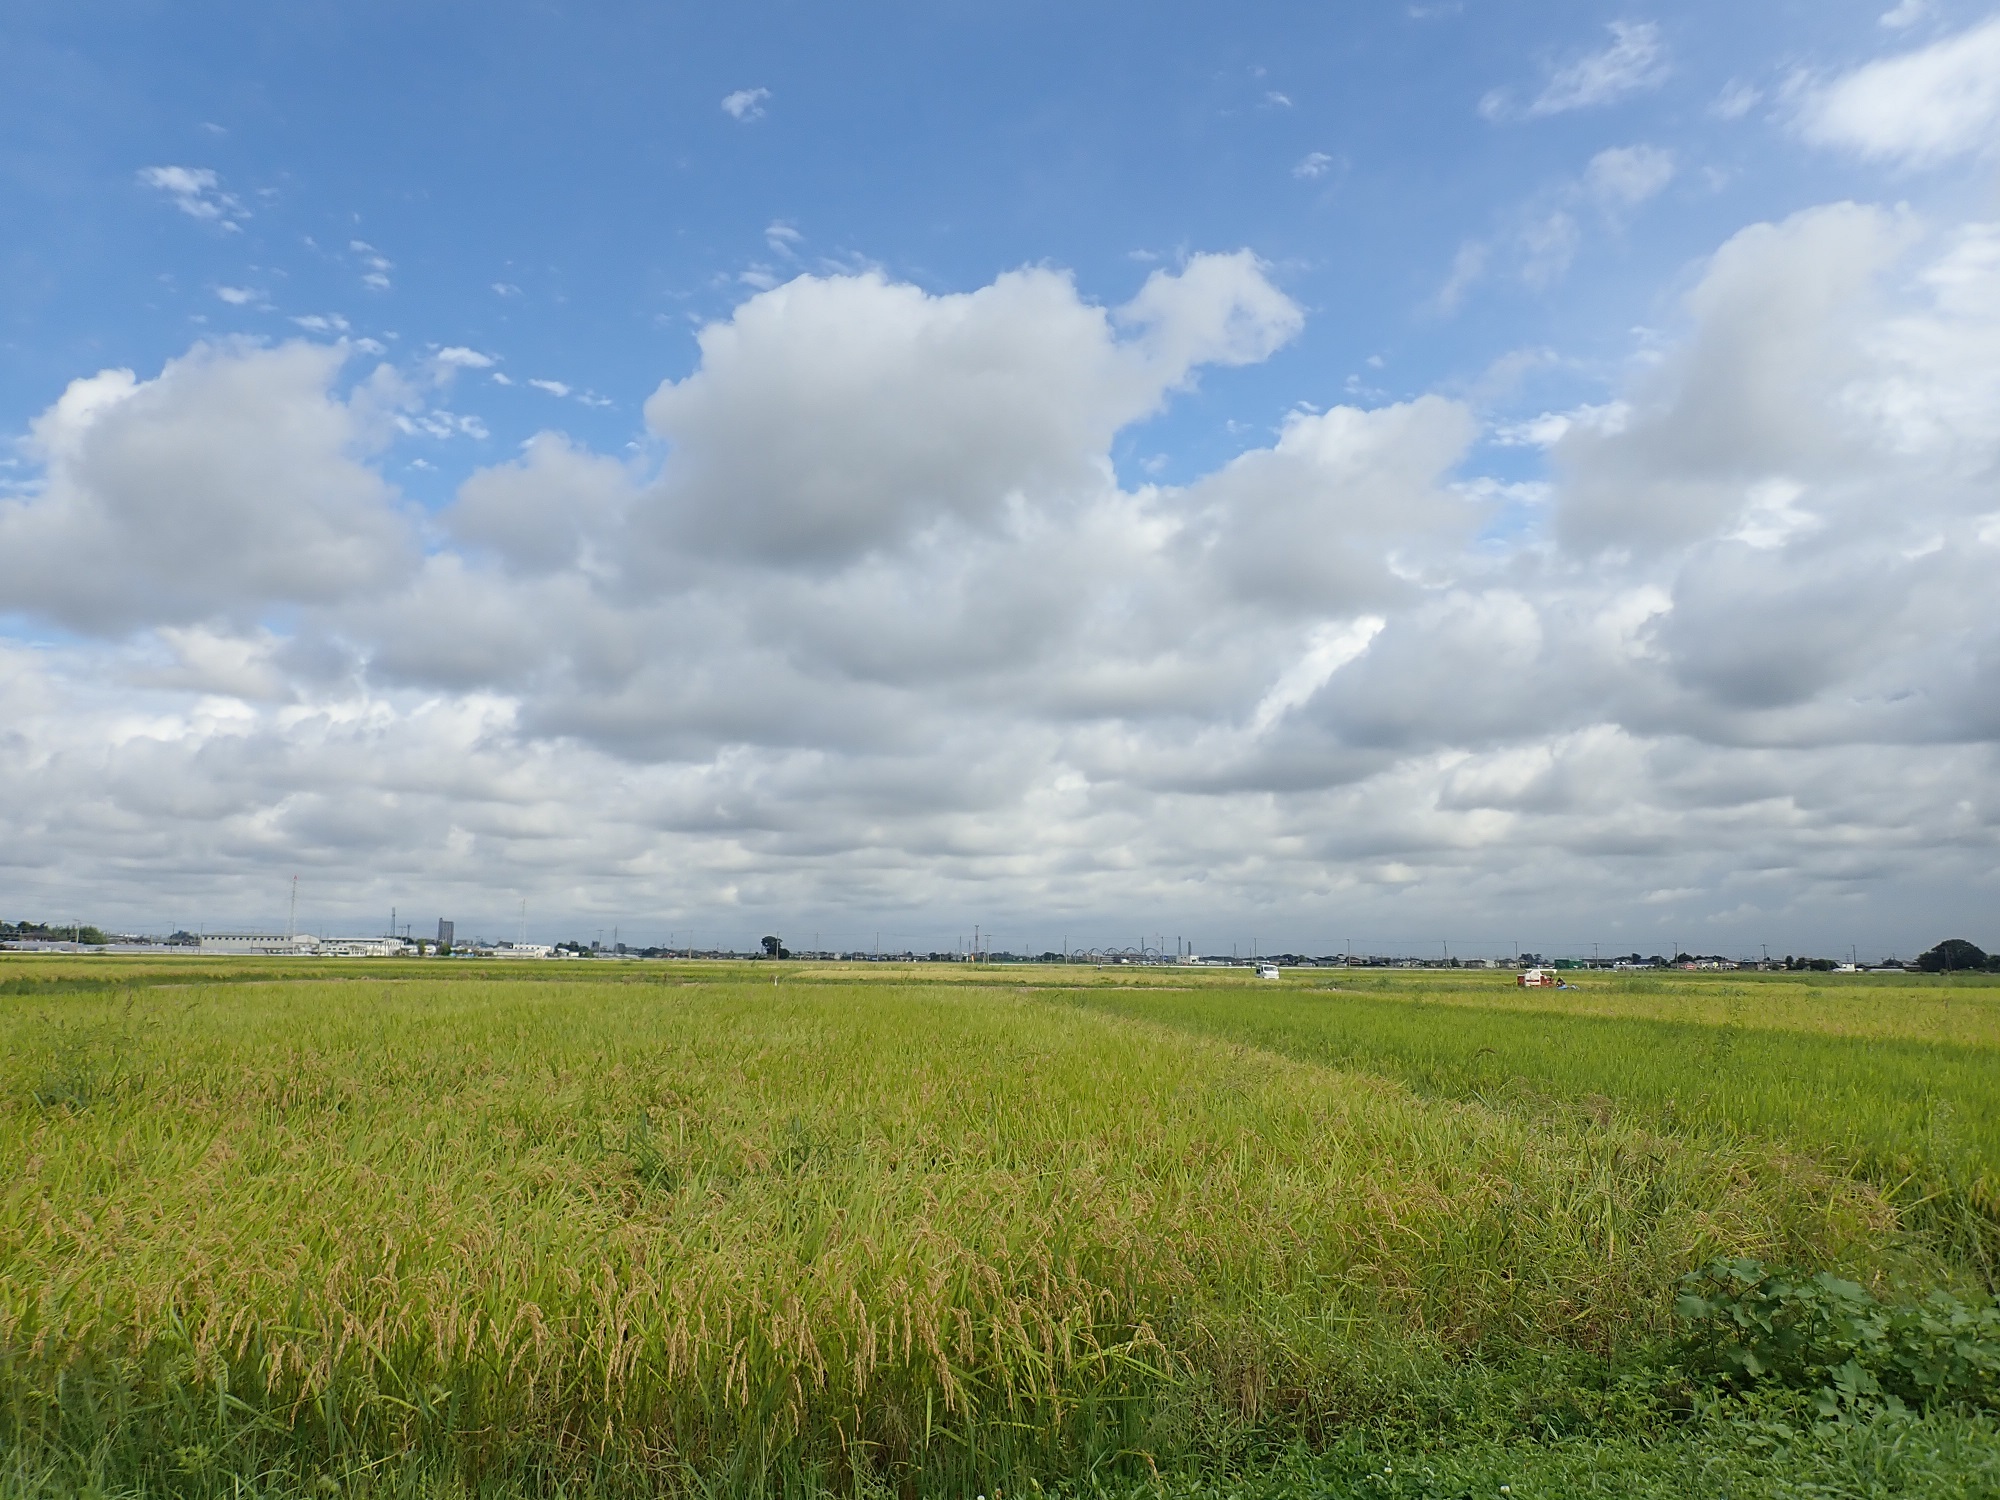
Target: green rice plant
pixel 838 1234
pixel 1921 1118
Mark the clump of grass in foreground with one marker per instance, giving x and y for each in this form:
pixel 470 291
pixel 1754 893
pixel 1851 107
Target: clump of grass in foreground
pixel 746 1236
pixel 1761 1452
pixel 1767 1453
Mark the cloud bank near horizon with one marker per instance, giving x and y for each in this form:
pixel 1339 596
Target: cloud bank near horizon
pixel 874 633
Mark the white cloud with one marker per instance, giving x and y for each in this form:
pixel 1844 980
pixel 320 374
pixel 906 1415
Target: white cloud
pixel 782 238
pixel 553 387
pixel 1313 164
pixel 1328 649
pixel 1635 60
pixel 1736 100
pixel 1550 427
pixel 1468 266
pixel 322 323
pixel 1625 176
pixel 1906 13
pixel 745 104
pixel 230 481
pixel 376 276
pixel 1916 109
pixel 1547 243
pixel 846 413
pixel 1539 239
pixel 196 192
pixel 439 423
pixel 558 507
pixel 885 633
pixel 237 296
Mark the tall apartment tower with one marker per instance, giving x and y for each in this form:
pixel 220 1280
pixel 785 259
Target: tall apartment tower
pixel 444 933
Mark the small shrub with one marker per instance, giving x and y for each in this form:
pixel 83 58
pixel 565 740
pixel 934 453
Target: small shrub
pixel 1749 1325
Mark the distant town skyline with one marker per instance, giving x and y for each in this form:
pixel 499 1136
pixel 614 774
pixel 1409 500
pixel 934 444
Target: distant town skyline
pixel 1472 469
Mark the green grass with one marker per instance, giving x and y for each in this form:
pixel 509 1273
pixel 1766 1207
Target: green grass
pixel 531 1227
pixel 1750 1455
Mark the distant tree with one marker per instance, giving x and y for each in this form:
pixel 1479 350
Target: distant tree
pixel 774 949
pixel 1951 955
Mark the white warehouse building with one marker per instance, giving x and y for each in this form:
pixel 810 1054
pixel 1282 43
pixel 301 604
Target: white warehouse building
pixel 258 942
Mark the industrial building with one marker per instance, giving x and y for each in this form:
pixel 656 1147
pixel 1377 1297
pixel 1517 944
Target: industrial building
pixel 259 942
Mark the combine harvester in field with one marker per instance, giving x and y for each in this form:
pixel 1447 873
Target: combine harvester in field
pixel 1542 979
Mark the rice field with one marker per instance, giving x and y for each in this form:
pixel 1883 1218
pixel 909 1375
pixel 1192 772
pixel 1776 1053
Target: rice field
pixel 290 1228
pixel 1896 1080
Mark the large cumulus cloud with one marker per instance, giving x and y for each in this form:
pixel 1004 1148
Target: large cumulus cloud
pixel 880 637
pixel 832 416
pixel 234 480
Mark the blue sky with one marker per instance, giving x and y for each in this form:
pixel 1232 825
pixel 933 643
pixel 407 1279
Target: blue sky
pixel 579 156
pixel 1518 240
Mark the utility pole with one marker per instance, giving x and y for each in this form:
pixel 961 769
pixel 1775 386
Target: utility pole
pixel 292 926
